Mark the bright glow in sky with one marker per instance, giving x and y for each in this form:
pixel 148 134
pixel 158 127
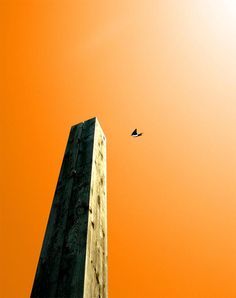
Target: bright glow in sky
pixel 221 13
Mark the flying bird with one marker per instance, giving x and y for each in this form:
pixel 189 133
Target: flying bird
pixel 135 133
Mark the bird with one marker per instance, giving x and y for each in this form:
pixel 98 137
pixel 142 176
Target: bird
pixel 135 133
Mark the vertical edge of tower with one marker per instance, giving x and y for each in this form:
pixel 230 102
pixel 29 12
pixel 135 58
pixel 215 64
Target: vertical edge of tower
pixel 96 267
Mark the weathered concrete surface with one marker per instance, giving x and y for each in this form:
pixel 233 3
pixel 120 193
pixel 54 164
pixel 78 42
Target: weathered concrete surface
pixel 96 251
pixel 73 260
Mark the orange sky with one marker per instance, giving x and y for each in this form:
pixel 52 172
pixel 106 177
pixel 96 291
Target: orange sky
pixel 166 67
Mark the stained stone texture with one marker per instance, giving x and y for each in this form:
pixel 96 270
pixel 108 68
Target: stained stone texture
pixel 73 260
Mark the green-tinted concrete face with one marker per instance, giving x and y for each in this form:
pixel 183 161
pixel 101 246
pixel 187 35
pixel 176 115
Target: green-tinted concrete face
pixel 74 252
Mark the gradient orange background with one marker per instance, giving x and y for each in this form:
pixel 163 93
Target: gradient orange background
pixel 166 67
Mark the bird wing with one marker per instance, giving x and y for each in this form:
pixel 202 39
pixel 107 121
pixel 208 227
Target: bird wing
pixel 134 132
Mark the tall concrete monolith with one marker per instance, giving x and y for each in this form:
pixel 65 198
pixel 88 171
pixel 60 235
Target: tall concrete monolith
pixel 73 259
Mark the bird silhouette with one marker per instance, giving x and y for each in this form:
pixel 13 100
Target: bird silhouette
pixel 136 134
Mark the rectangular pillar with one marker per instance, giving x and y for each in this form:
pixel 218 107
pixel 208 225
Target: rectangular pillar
pixel 73 259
